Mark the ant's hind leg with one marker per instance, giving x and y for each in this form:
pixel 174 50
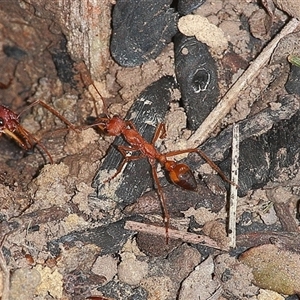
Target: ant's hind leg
pixel 166 215
pixel 205 157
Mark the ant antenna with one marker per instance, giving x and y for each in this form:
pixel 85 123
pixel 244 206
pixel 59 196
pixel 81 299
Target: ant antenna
pixel 87 81
pixel 103 101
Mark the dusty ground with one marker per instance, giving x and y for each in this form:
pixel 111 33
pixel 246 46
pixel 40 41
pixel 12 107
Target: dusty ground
pixel 41 203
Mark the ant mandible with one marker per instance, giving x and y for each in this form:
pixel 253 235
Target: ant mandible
pixel 11 127
pixel 180 174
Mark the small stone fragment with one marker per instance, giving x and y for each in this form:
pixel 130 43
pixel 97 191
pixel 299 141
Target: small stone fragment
pixel 51 282
pixel 235 277
pixel 269 295
pixel 105 266
pixel 158 287
pixel 292 85
pixel 290 6
pixel 110 238
pixel 121 290
pixel 204 31
pixel 181 262
pixel 131 270
pixel 199 284
pixel 24 283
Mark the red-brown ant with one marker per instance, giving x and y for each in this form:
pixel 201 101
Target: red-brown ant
pixel 179 173
pixel 10 126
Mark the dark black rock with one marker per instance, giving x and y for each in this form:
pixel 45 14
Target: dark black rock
pixel 293 83
pixel 196 73
pixel 253 165
pixel 141 29
pixel 63 63
pixel 110 238
pixel 252 126
pixel 147 111
pixel 187 6
pixel 266 157
pixel 257 227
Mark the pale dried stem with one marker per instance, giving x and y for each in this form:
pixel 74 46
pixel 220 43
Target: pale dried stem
pixel 233 188
pixel 231 97
pixel 6 274
pixel 173 234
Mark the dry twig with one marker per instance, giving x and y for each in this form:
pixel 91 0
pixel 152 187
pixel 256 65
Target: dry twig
pixel 6 273
pixel 173 234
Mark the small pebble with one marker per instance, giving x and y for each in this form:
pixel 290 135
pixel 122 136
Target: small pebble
pixel 106 266
pixel 131 270
pixel 23 284
pixel 158 287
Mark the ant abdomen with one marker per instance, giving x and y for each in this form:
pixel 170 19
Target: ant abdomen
pixel 182 176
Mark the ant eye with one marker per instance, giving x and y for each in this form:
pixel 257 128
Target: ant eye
pixel 1 122
pixel 91 120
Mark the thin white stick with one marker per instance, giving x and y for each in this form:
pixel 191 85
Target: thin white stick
pixel 173 234
pixel 233 188
pixel 231 97
pixel 6 274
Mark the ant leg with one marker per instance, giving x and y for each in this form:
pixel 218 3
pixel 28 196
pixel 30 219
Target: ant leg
pixel 160 132
pixel 205 157
pixel 28 138
pixel 166 216
pixel 125 160
pixel 104 105
pixel 52 110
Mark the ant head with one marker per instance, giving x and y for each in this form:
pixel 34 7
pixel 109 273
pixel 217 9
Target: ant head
pixel 98 122
pixel 10 126
pixel 8 119
pixel 103 118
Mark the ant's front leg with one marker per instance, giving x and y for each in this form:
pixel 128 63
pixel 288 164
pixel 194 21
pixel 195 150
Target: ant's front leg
pixel 160 132
pixel 123 150
pixel 30 140
pixel 52 110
